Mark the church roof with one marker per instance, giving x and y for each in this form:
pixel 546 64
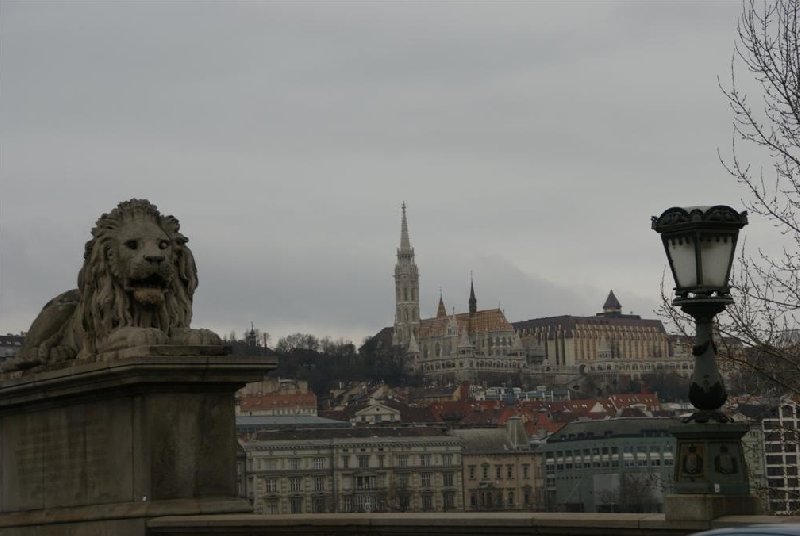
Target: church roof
pixel 489 320
pixel 569 324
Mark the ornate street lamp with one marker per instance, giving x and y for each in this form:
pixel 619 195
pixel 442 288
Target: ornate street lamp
pixel 710 469
pixel 700 244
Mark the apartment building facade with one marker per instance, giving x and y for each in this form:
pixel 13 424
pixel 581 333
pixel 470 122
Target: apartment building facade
pixel 781 429
pixel 500 470
pixel 359 470
pixel 612 465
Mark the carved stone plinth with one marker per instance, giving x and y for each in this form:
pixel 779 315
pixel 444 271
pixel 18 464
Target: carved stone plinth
pixel 104 446
pixel 710 472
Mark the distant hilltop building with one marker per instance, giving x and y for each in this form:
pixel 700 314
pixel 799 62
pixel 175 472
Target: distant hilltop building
pixel 608 342
pixel 463 346
pixel 482 345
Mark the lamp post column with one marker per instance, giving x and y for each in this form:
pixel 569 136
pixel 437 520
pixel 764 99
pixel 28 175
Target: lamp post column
pixel 707 391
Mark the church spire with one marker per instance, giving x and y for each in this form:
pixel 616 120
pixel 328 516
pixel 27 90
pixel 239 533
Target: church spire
pixel 441 311
pixel 473 303
pixel 406 283
pixel 405 242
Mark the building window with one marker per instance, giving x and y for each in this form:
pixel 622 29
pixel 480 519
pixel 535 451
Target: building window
pixel 294 464
pixel 471 472
pixel 427 502
pixel 511 499
pixel 365 482
pixel 319 463
pixel 381 460
pixel 294 484
pixel 526 470
pixel 447 479
pixel 498 469
pixel 405 501
pixel 402 460
pixel 271 485
pixel 425 480
pixel 425 460
pixel 346 461
pixel 402 480
pixel 449 500
pixel 272 507
pixel 319 483
pixel 447 460
pixel 486 471
pixel 318 505
pixel 296 505
pixel 509 472
pixel 363 461
pixel 473 499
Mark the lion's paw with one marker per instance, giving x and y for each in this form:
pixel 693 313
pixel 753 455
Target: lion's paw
pixel 129 337
pixel 195 337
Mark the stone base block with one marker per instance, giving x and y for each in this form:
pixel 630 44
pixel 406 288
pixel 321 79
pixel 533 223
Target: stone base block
pixel 705 507
pixel 98 448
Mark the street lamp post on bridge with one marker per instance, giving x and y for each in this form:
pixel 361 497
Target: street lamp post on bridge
pixel 710 472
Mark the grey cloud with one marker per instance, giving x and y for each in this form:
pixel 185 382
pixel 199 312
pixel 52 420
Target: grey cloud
pixel 532 142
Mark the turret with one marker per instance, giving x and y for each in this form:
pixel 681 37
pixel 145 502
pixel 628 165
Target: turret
pixel 612 305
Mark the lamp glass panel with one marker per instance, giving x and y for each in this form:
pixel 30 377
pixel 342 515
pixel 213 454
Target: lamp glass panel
pixel 684 266
pixel 715 253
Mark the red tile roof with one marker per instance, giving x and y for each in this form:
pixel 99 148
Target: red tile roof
pixel 649 400
pixel 482 321
pixel 278 400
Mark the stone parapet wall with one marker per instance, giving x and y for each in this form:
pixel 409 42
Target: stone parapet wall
pixel 541 524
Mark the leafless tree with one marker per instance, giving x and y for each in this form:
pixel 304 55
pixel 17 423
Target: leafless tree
pixel 762 322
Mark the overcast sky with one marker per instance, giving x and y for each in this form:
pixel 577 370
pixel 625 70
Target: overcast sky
pixel 532 141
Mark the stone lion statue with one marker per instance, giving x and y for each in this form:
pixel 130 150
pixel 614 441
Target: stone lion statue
pixel 135 288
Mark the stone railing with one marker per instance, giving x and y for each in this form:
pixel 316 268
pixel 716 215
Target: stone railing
pixel 544 524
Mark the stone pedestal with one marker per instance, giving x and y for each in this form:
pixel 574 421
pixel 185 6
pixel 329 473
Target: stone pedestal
pixel 710 473
pixel 98 448
pixel 705 507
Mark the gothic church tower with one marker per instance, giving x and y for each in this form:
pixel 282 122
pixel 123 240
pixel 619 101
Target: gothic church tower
pixel 406 285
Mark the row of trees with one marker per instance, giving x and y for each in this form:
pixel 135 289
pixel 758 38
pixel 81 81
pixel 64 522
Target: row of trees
pixel 324 362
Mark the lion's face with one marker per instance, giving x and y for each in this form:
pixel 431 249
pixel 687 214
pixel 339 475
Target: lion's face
pixel 145 258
